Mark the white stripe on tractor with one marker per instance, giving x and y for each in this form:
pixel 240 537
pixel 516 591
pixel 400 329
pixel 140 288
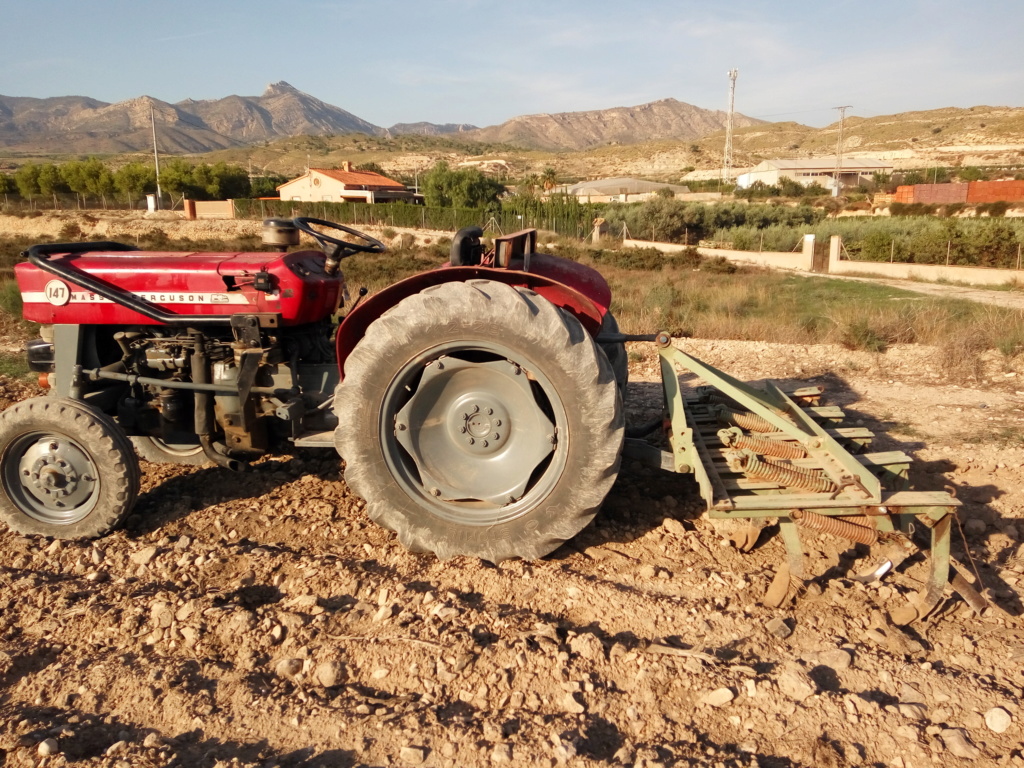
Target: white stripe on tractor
pixel 156 297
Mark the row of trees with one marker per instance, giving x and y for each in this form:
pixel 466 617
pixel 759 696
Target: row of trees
pixel 92 178
pixel 676 221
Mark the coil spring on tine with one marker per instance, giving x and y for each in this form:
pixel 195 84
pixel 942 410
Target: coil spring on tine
pixel 715 398
pixel 766 446
pixel 744 419
pixel 836 526
pixel 791 477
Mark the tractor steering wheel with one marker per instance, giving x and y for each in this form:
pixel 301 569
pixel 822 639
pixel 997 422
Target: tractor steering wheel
pixel 342 248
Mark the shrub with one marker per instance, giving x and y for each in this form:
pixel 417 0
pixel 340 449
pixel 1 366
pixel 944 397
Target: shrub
pixel 718 265
pixel 70 232
pixel 640 258
pixel 688 258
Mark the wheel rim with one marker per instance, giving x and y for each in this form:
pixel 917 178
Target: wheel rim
pixel 51 478
pixel 472 433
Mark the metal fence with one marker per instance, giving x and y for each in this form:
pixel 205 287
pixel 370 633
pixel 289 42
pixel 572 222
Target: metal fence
pixel 574 221
pixel 570 224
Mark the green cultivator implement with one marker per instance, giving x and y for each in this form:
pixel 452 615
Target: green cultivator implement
pixel 766 453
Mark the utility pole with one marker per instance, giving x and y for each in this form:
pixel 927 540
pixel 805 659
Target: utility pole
pixel 156 157
pixel 839 148
pixel 727 160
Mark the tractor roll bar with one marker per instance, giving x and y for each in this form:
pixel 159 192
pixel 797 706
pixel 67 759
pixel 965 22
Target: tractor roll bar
pixel 39 255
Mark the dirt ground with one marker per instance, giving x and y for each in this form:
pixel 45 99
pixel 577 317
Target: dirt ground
pixel 263 620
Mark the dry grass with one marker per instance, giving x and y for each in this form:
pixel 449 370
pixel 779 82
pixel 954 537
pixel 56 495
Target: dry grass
pixel 750 304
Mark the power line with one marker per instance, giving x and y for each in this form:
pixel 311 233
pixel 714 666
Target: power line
pixel 839 148
pixel 727 161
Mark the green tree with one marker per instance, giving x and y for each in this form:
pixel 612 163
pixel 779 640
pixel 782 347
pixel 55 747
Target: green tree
pixel 444 187
pixel 50 181
pixel 176 178
pixel 549 178
pixel 971 173
pixel 7 184
pixel 99 180
pixel 134 180
pixel 27 180
pixel 266 186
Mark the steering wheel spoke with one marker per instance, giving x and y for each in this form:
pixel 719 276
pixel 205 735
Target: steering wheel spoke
pixel 336 248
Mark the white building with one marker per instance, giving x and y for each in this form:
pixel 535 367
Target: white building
pixel 808 170
pixel 344 185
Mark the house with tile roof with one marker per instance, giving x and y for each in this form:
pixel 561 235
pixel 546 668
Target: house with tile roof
pixel 344 185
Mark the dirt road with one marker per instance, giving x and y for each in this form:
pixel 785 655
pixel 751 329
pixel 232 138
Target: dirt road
pixel 1008 299
pixel 262 619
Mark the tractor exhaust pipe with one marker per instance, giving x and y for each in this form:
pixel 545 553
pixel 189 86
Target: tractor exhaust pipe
pixel 204 417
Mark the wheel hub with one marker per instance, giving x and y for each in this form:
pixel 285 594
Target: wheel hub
pixel 57 476
pixel 474 430
pixel 482 423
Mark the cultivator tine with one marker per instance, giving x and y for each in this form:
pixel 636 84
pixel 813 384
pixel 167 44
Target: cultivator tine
pixel 784 455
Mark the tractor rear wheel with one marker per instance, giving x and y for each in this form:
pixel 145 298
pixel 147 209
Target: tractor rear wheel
pixel 157 451
pixel 479 419
pixel 66 470
pixel 616 354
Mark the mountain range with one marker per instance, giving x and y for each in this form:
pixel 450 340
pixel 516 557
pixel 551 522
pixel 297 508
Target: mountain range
pixel 81 125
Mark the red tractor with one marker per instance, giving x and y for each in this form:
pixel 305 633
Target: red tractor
pixel 474 409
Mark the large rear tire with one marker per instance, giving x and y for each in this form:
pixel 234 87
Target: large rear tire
pixel 66 470
pixel 479 419
pixel 616 354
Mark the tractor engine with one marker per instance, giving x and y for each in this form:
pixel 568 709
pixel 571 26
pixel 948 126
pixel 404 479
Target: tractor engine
pixel 219 356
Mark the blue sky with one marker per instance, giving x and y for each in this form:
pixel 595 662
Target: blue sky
pixel 483 62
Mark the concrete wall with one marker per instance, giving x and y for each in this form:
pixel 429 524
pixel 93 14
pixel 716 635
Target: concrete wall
pixel 798 261
pixel 929 272
pixel 215 209
pixel 804 261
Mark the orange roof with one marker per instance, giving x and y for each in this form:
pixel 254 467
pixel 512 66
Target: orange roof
pixel 359 178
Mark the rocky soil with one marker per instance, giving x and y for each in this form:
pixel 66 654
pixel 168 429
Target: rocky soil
pixel 263 620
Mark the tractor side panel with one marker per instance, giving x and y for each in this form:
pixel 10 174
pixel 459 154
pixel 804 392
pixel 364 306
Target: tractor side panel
pixel 588 308
pixel 183 284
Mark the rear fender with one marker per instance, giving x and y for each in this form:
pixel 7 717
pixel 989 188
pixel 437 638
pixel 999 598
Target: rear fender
pixel 589 308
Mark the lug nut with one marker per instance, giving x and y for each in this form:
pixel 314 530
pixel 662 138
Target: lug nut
pixel 472 441
pixel 497 436
pixel 435 491
pixel 54 446
pixel 401 427
pixel 497 422
pixel 490 411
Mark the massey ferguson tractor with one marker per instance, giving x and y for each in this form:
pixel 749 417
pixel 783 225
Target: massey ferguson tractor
pixel 477 407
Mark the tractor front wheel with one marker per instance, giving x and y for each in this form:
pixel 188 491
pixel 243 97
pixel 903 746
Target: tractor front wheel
pixel 66 470
pixel 479 419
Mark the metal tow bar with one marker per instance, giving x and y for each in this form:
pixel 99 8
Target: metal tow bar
pixel 764 453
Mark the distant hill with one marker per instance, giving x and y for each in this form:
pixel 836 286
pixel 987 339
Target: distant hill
pixel 664 119
pixel 78 125
pixel 952 136
pixel 429 129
